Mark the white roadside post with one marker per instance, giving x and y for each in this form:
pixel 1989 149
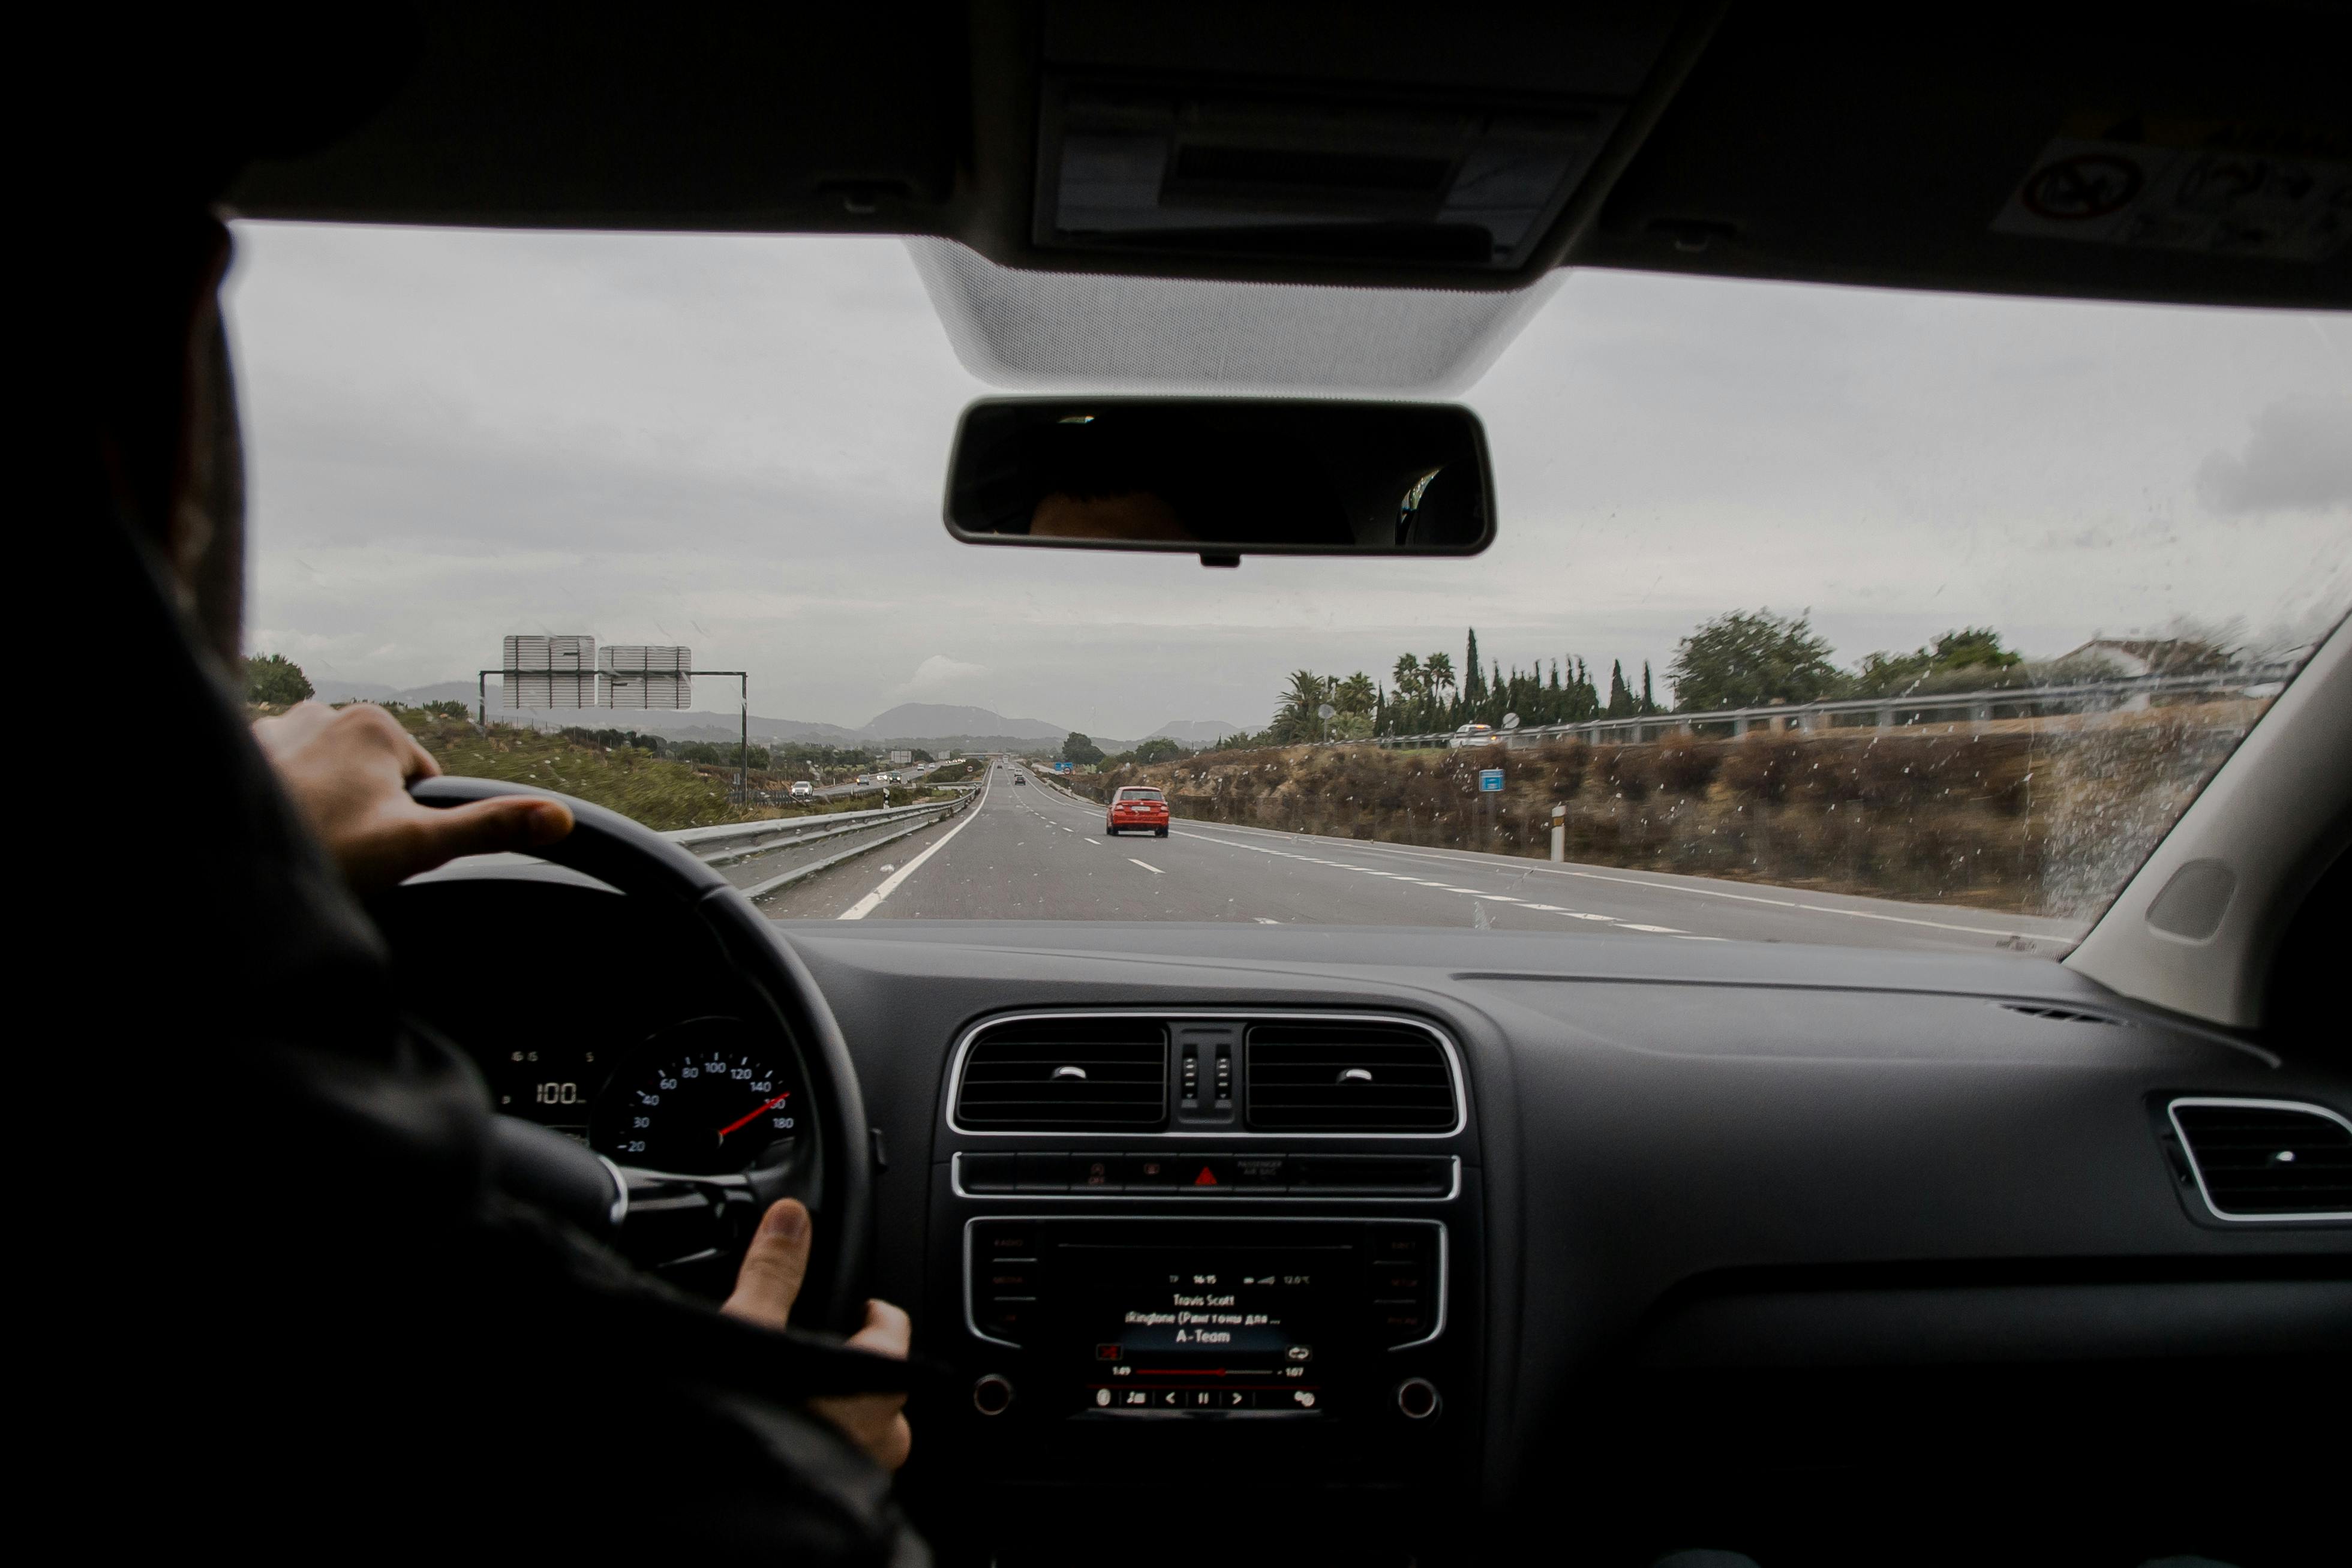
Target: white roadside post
pixel 1559 833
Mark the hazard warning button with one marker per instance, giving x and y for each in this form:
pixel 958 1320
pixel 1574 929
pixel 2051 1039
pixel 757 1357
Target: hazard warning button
pixel 1206 1174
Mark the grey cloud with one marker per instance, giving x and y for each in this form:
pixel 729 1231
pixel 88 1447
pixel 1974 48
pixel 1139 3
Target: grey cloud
pixel 453 435
pixel 2299 459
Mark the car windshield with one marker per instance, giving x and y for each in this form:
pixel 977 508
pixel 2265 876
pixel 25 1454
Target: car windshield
pixel 1813 614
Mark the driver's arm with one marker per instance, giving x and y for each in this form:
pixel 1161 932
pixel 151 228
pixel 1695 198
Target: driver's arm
pixel 349 771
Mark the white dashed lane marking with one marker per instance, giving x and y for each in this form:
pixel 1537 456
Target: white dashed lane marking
pixel 1147 865
pixel 1478 893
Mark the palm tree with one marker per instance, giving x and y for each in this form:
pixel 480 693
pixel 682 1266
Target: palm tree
pixel 1439 669
pixel 1407 675
pixel 1295 719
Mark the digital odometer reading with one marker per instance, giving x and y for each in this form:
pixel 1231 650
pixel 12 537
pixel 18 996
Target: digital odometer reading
pixel 1229 1329
pixel 701 1099
pixel 553 1086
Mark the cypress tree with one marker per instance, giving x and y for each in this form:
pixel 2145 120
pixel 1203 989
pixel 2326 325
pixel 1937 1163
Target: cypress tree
pixel 1474 680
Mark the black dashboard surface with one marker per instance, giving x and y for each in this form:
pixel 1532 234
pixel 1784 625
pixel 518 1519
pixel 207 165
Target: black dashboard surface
pixel 1933 1190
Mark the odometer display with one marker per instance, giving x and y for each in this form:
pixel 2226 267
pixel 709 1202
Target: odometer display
pixel 705 1097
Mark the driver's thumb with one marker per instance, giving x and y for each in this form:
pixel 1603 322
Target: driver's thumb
pixel 769 1280
pixel 509 824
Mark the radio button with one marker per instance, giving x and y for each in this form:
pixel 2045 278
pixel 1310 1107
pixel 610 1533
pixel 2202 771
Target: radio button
pixel 1009 1320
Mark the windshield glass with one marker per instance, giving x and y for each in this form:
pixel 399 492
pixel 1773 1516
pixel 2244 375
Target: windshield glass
pixel 1814 613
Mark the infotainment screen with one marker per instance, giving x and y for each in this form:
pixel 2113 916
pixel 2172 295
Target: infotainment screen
pixel 1224 1329
pixel 1242 1319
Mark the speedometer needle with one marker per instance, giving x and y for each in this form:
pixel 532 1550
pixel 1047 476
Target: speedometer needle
pixel 755 1110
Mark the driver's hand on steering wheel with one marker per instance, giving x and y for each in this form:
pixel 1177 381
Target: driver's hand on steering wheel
pixel 349 771
pixel 766 1287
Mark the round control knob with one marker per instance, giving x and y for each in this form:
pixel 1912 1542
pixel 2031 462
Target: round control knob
pixel 1416 1399
pixel 993 1394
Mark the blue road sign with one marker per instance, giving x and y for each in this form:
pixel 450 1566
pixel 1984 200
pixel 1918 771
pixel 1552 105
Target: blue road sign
pixel 1490 781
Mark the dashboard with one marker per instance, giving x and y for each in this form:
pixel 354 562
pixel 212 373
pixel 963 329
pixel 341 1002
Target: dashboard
pixel 1338 1239
pixel 700 1095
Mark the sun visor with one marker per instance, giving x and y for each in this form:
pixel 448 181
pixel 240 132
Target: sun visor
pixel 1070 330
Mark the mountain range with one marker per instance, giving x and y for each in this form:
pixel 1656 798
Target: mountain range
pixel 933 726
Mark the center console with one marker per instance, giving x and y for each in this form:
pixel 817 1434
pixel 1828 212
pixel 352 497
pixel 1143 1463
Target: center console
pixel 1267 1279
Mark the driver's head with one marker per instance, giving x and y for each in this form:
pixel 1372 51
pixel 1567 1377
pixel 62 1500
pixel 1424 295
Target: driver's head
pixel 175 115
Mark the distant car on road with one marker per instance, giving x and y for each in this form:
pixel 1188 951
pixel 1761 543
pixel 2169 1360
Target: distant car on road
pixel 803 789
pixel 1137 809
pixel 1472 735
pixel 1019 779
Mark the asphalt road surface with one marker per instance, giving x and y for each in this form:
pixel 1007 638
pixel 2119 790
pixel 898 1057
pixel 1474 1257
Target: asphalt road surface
pixel 917 773
pixel 1035 853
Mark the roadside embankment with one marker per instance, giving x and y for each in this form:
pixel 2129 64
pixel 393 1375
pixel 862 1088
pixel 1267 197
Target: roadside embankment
pixel 2031 818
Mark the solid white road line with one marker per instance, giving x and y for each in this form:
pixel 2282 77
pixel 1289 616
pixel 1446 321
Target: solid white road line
pixel 897 880
pixel 1458 858
pixel 1147 865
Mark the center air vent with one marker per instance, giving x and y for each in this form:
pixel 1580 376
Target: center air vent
pixel 1065 1075
pixel 1348 1078
pixel 2268 1159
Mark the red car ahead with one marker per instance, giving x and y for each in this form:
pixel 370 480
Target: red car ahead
pixel 1137 809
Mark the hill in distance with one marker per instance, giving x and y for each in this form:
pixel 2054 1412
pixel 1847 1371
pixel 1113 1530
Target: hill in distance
pixel 949 719
pixel 1196 732
pixel 932 726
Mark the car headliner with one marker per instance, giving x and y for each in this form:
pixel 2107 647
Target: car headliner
pixel 1817 144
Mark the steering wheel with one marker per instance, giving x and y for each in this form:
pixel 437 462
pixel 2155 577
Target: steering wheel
pixel 835 1176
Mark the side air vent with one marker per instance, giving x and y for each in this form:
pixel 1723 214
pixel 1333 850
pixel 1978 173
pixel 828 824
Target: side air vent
pixel 1348 1078
pixel 2060 1014
pixel 2267 1159
pixel 1065 1075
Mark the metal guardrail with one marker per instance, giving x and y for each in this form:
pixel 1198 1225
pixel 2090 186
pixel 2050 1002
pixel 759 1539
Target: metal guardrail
pixel 735 842
pixel 1881 712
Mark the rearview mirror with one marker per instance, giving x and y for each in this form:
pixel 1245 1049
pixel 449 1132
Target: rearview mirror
pixel 1222 478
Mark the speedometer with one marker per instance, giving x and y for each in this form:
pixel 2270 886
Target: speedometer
pixel 704 1098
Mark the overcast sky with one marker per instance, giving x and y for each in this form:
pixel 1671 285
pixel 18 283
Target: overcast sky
pixel 739 444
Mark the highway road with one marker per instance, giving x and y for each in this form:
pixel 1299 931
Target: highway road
pixel 1032 852
pixel 917 773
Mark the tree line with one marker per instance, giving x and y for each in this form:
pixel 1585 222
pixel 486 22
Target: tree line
pixel 1744 658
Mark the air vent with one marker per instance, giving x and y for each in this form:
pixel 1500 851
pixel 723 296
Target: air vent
pixel 2060 1014
pixel 2268 1159
pixel 1065 1075
pixel 1348 1078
